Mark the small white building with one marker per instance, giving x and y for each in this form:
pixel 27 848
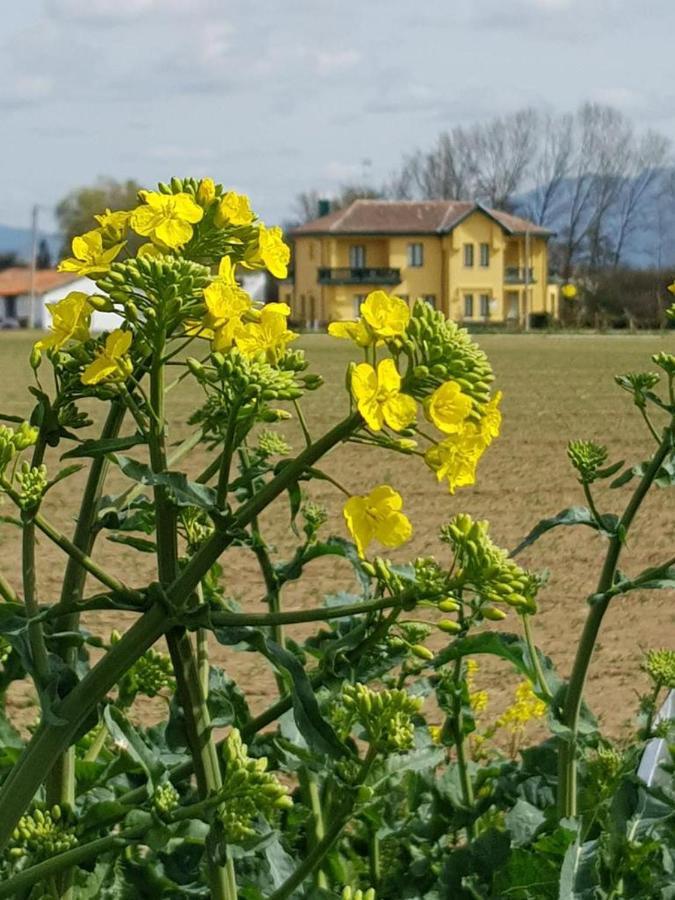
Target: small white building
pixel 49 286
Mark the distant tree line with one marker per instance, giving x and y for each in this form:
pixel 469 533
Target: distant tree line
pixel 587 175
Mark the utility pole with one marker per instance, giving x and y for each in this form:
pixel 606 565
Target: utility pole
pixel 526 298
pixel 33 264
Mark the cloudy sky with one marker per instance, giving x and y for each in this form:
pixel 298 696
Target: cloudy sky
pixel 275 96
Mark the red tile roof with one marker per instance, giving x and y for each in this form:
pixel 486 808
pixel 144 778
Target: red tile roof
pixel 16 280
pixel 410 217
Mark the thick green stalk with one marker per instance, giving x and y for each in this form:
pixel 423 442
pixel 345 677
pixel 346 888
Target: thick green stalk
pixel 457 730
pixel 188 683
pixel 38 757
pixel 567 763
pixel 318 853
pixel 534 656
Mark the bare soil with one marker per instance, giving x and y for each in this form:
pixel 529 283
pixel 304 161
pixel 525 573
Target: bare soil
pixel 556 388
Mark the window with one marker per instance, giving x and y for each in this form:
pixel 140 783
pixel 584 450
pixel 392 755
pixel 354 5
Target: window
pixel 416 255
pixel 468 306
pixel 485 255
pixel 485 306
pixel 357 256
pixel 358 300
pixel 468 255
pixel 430 299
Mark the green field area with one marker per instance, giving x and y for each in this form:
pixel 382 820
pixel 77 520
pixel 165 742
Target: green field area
pixel 556 388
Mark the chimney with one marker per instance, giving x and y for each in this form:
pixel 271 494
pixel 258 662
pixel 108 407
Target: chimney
pixel 324 206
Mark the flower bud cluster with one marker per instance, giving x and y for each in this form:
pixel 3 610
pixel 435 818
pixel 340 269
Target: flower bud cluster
pixel 660 666
pixel 144 285
pixel 638 384
pixel 385 716
pixel 249 791
pixel 487 569
pixel 33 483
pixel 349 893
pixel 41 834
pixel 665 361
pixel 150 674
pixel 315 516
pixel 441 351
pixel 13 442
pixel 197 526
pixel 587 457
pixel 165 798
pixel 272 444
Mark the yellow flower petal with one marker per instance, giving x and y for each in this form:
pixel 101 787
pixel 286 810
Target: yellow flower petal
pixel 447 408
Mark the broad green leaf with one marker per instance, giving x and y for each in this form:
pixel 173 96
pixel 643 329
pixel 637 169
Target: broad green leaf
pixel 64 473
pixel 579 872
pixel 128 738
pixel 522 821
pixel 103 446
pixel 185 493
pixel 574 515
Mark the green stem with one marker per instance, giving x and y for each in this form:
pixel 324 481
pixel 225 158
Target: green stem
pixel 591 503
pixel 567 763
pixel 188 682
pixel 319 679
pixel 226 458
pixel 317 831
pixel 457 730
pixel 317 854
pixel 38 757
pixel 97 744
pixel 60 784
pixel 7 592
pixel 534 656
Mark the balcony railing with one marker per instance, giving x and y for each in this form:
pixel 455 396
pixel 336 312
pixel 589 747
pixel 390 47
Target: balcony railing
pixel 516 275
pixel 359 276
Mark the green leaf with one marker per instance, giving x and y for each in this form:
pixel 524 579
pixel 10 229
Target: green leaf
pixel 522 821
pixel 226 701
pixel 127 737
pixel 526 876
pixel 508 646
pixel 103 446
pixel 579 872
pixel 318 733
pixel 140 544
pixel 574 515
pixel 185 493
pixel 608 471
pixel 623 478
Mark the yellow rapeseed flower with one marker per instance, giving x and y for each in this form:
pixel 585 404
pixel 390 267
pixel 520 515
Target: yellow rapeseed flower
pixel 352 331
pixel 166 218
pixel 269 335
pixel 527 707
pixel 234 209
pixel 386 315
pixel 226 303
pixel 112 362
pixel 455 459
pixel 377 516
pixel 378 396
pixel 115 224
pixel 206 191
pixel 268 251
pixel 89 257
pixel 490 424
pixel 70 321
pixel 447 408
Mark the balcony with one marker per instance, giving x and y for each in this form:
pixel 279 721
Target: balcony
pixel 360 276
pixel 516 275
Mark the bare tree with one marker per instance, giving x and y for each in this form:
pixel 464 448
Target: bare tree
pixel 502 151
pixel 306 206
pixel 551 167
pixel 645 172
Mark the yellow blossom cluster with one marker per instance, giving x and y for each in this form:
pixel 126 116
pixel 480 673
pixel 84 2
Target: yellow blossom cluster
pixel 378 391
pixel 177 220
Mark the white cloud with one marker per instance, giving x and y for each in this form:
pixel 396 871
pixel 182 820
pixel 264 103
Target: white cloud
pixel 327 61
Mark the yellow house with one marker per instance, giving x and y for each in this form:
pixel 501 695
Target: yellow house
pixel 476 264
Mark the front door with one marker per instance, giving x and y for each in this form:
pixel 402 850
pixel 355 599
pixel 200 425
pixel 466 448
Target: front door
pixel 512 312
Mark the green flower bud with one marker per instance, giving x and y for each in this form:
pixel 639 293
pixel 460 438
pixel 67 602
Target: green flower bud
pixel 35 358
pixel 494 614
pixel 448 626
pixel 449 605
pixel 421 652
pixel 587 457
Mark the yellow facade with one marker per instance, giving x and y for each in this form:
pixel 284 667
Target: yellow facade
pixel 487 283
